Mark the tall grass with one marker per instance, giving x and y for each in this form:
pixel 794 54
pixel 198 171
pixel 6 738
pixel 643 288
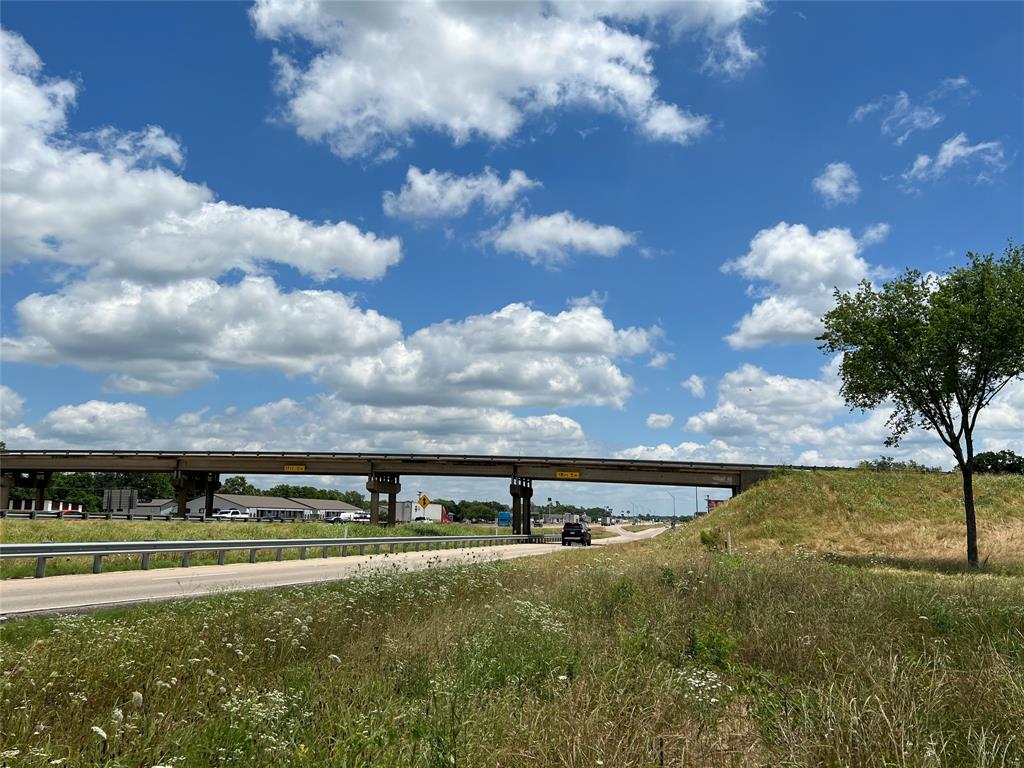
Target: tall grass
pixel 902 519
pixel 641 655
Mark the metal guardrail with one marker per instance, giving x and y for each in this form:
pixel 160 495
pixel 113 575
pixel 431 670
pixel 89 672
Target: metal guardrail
pixel 23 514
pixel 100 549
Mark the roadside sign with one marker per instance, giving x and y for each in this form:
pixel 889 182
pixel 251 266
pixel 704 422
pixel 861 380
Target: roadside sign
pixel 424 502
pixel 294 467
pixel 567 475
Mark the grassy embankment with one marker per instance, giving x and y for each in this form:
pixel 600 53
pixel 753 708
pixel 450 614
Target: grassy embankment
pixel 896 519
pixel 27 531
pixel 637 527
pixel 660 653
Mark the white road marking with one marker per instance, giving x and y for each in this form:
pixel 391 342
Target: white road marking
pixel 193 576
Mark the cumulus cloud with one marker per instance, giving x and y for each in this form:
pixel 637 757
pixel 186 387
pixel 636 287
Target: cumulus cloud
pixel 797 272
pixel 11 406
pixel 114 202
pixel 760 417
pixel 320 423
pixel 436 195
pixel 659 420
pixel 550 240
pixel 694 384
pixel 379 71
pixel 167 338
pixel 989 155
pixel 516 356
pixel 837 184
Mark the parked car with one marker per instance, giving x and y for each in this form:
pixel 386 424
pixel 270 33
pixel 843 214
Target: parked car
pixel 232 514
pixel 344 517
pixel 575 532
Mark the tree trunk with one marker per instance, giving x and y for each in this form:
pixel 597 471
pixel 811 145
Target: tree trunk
pixel 972 530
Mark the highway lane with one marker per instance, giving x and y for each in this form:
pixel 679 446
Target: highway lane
pixel 84 592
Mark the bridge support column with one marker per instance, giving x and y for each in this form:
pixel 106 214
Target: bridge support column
pixel 374 507
pixel 184 484
pixel 522 491
pixel 6 481
pixel 41 481
pixel 383 483
pixel 212 484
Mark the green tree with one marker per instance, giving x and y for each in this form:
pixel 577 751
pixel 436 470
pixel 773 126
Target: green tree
pixel 239 486
pixel 999 462
pixel 938 349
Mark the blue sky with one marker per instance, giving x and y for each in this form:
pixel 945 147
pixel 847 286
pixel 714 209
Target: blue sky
pixel 197 252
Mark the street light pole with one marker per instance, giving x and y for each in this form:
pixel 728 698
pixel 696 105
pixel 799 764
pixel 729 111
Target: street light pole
pixel 672 496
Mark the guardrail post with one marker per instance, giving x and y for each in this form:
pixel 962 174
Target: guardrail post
pixel 344 550
pixel 185 559
pixel 110 516
pixel 252 555
pixel 279 554
pixel 392 547
pixel 221 557
pixel 302 553
pixel 40 567
pixel 362 548
pixel 97 563
pixel 145 561
pixel 323 552
pixel 376 549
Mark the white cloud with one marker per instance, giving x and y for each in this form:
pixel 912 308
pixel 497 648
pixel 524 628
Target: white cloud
pixel 318 424
pixel 695 385
pixel 379 71
pixel 837 184
pixel 901 116
pixel 660 359
pixel 732 57
pixel 798 271
pixel 168 338
pixel 751 400
pixel 11 406
pixel 435 195
pixel 551 239
pixel 659 420
pixel 767 418
pixel 517 356
pixel 958 151
pixel 106 200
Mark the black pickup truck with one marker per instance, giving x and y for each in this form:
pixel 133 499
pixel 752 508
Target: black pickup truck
pixel 575 532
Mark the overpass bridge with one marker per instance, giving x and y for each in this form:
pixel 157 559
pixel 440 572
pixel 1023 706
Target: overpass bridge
pixel 194 471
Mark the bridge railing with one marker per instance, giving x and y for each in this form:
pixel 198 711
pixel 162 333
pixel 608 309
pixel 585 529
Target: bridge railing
pixel 344 546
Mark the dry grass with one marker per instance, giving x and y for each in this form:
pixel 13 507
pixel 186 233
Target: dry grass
pixel 901 518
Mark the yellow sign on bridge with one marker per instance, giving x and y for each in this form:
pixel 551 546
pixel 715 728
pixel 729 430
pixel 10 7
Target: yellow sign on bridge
pixel 294 467
pixel 567 475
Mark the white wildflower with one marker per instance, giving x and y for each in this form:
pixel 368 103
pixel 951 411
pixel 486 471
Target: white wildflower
pixel 99 732
pixel 335 658
pixel 137 699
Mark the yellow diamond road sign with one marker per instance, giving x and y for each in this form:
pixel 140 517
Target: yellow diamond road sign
pixel 424 501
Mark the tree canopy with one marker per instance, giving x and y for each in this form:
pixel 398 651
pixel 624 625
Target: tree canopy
pixel 937 349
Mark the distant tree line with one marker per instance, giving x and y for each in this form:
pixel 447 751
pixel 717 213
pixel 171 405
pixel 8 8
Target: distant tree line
pixel 986 462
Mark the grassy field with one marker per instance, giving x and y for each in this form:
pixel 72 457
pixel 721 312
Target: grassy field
pixel 899 519
pixel 27 531
pixel 642 527
pixel 660 653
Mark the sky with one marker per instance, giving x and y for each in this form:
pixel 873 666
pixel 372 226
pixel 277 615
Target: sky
pixel 576 229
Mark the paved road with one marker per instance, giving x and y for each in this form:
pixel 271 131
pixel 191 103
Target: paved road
pixel 83 592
